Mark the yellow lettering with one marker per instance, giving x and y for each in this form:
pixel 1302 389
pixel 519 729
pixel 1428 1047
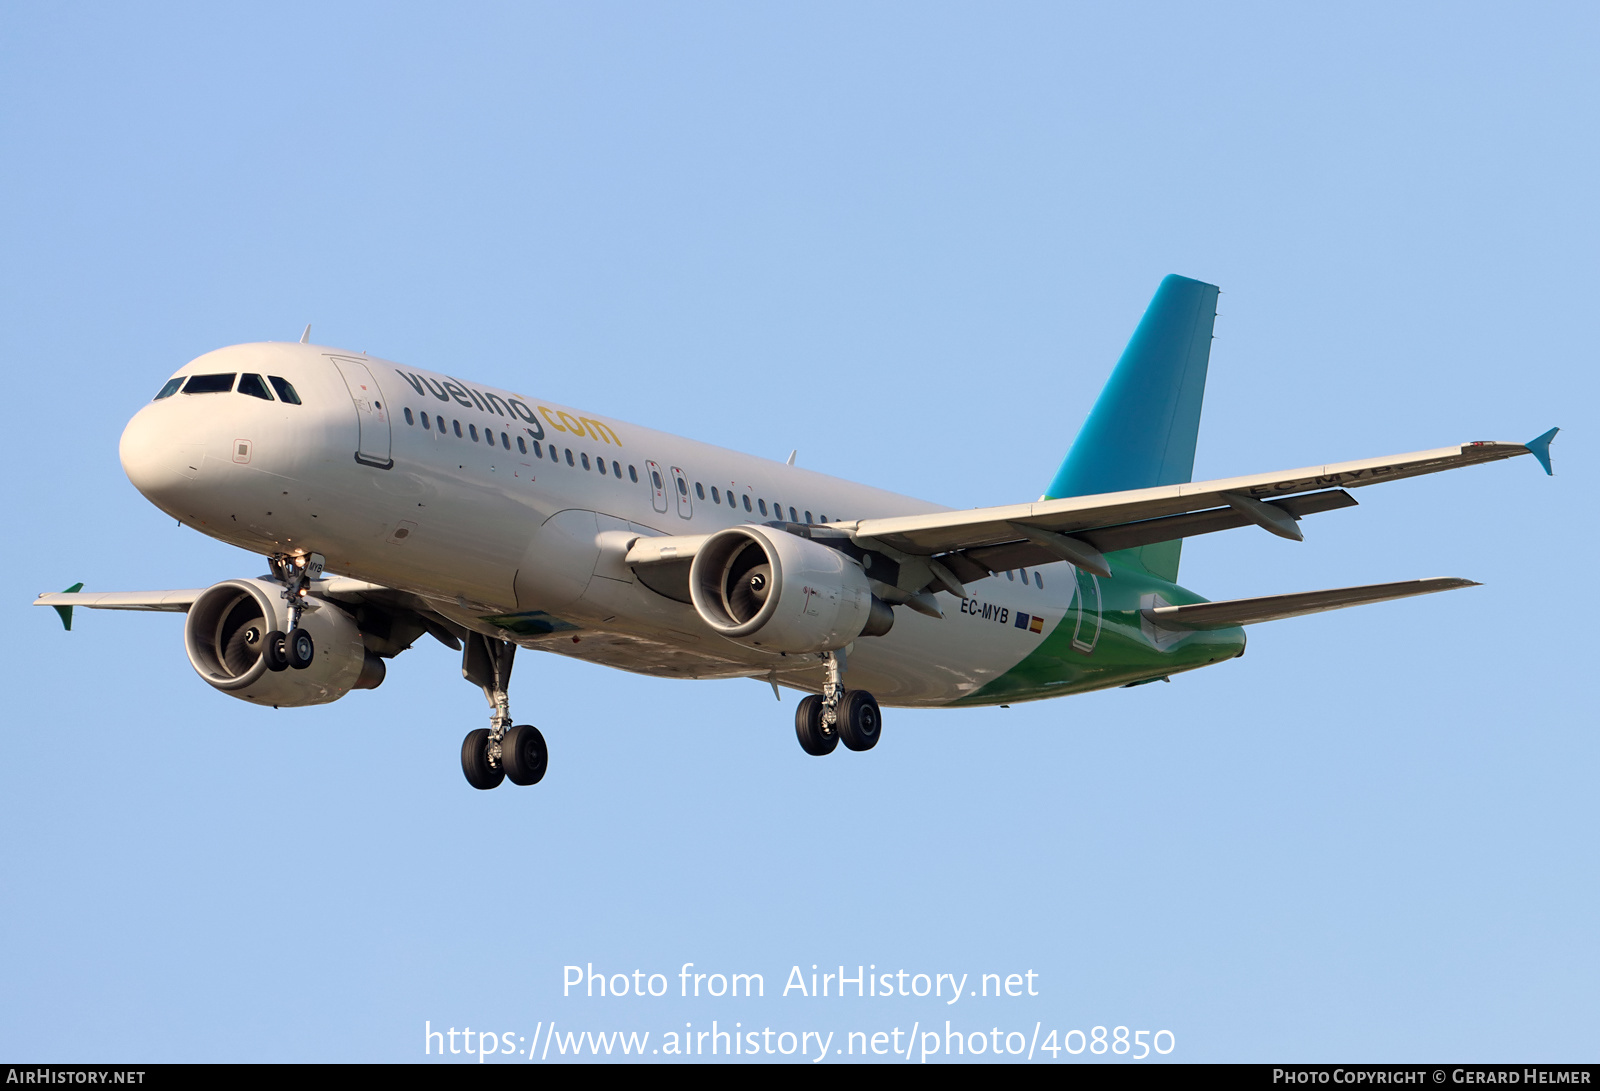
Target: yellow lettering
pixel 600 431
pixel 552 420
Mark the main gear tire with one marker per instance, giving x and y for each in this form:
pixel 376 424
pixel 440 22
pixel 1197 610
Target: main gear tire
pixel 816 738
pixel 860 722
pixel 524 755
pixel 475 761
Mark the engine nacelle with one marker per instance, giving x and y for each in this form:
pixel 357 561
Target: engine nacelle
pixel 225 633
pixel 783 593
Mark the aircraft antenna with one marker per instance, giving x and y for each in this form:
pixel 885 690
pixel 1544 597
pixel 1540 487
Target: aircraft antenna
pixel 305 338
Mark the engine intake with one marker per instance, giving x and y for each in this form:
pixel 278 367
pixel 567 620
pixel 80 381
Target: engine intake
pixel 226 630
pixel 783 593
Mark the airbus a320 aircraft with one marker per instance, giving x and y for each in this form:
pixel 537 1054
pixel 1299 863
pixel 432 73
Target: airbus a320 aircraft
pixel 494 520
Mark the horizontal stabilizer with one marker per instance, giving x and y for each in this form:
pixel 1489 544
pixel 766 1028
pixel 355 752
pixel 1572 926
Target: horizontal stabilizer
pixel 1221 615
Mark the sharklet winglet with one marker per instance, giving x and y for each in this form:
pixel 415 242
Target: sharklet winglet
pixel 1540 449
pixel 66 611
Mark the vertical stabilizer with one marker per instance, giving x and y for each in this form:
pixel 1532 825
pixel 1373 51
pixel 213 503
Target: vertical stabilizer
pixel 1143 427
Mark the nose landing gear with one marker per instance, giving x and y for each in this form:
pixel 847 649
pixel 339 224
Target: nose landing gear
pixel 500 751
pixel 296 649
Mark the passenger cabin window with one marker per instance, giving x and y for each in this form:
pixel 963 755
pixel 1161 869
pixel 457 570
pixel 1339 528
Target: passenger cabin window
pixel 538 449
pixel 716 497
pixel 457 426
pixel 683 487
pixel 209 384
pixel 473 430
pixel 616 469
pixel 426 422
pixel 285 389
pixel 699 490
pixel 1010 575
pixel 1038 580
pixel 439 422
pixel 521 446
pixel 808 517
pixel 633 475
pixel 505 441
pixel 170 389
pixel 746 499
pixel 762 504
pixel 585 461
pixel 569 456
pixel 255 386
pixel 794 516
pixel 655 478
pixel 409 419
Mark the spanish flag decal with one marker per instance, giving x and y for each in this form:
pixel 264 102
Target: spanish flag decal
pixel 1031 622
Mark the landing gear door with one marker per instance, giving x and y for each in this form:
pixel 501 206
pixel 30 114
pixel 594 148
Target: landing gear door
pixel 658 485
pixel 371 415
pixel 680 481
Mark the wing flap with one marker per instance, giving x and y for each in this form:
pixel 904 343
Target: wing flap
pixel 1221 615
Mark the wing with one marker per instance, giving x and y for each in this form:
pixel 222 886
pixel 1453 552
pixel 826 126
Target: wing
pixel 969 545
pixel 171 602
pixel 392 619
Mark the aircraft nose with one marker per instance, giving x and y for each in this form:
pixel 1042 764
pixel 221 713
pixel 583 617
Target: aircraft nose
pixel 151 456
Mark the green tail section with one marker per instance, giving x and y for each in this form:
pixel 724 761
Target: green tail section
pixel 1144 426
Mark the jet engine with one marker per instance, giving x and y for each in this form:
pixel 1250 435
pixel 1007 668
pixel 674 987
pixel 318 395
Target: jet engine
pixel 226 631
pixel 783 593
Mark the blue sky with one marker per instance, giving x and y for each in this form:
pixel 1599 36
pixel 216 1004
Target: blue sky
pixel 910 241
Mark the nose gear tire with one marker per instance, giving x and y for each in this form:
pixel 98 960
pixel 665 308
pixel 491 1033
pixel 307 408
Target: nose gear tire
pixel 475 761
pixel 302 652
pixel 275 650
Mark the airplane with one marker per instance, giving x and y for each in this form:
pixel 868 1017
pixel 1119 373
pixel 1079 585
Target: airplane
pixel 392 502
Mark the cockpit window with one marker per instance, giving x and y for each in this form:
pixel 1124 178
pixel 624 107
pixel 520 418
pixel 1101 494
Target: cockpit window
pixel 170 389
pixel 285 390
pixel 209 384
pixel 255 386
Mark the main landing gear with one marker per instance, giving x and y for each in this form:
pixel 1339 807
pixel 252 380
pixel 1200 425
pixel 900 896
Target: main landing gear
pixel 295 648
pixel 500 751
pixel 838 714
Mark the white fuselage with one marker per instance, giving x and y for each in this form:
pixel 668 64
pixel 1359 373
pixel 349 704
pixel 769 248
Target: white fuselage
pixel 515 544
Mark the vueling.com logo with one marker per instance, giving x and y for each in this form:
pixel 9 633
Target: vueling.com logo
pixel 488 402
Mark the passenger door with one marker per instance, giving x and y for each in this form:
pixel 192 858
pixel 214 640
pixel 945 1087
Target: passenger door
pixel 1086 625
pixel 373 446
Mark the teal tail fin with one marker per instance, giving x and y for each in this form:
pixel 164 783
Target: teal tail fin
pixel 1143 427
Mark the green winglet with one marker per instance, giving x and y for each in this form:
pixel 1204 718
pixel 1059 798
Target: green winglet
pixel 66 611
pixel 1540 449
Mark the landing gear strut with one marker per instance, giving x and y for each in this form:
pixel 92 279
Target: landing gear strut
pixel 821 722
pixel 296 649
pixel 499 751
